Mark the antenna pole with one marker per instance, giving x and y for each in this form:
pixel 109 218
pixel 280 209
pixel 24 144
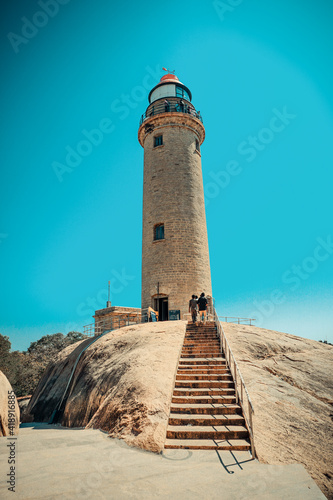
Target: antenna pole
pixel 108 304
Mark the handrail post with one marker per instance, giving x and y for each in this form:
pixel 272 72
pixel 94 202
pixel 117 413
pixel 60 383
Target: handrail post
pixel 242 393
pixel 251 429
pixel 235 381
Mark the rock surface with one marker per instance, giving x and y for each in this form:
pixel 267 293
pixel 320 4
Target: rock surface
pixel 123 383
pixel 8 403
pixel 290 383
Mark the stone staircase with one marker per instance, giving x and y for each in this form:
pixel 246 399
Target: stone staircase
pixel 204 414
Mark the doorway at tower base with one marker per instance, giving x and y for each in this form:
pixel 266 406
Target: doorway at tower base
pixel 160 310
pixel 161 305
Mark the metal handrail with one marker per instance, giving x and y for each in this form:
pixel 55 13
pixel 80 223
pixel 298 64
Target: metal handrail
pixel 110 323
pixel 240 387
pixel 178 106
pixel 239 320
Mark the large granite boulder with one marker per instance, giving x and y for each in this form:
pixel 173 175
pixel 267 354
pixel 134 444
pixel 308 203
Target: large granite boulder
pixel 122 384
pixel 290 382
pixel 9 409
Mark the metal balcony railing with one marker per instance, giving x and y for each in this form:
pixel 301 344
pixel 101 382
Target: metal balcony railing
pixel 178 106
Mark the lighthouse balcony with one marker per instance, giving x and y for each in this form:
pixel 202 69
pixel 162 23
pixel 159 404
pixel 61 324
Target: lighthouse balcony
pixel 170 106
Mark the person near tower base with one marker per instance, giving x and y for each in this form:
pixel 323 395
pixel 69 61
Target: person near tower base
pixel 202 303
pixel 193 308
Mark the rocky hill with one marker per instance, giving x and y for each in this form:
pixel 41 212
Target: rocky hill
pixel 9 409
pixel 290 383
pixel 123 384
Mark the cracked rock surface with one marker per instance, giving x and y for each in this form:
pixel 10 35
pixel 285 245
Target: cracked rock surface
pixel 290 383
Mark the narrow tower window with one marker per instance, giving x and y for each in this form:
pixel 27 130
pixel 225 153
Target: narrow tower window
pixel 197 145
pixel 159 232
pixel 158 140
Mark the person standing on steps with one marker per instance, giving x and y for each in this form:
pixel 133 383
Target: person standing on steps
pixel 193 309
pixel 202 303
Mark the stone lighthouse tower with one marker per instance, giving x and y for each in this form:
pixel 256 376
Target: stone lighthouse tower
pixel 175 256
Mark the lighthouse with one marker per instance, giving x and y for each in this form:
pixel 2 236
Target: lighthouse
pixel 175 254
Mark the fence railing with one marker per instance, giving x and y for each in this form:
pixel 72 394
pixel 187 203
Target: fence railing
pixel 178 106
pixel 242 395
pixel 239 321
pixel 111 323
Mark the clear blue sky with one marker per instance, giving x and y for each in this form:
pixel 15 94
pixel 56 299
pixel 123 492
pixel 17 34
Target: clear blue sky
pixel 261 75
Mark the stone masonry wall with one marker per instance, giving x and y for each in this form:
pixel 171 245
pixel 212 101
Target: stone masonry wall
pixel 173 195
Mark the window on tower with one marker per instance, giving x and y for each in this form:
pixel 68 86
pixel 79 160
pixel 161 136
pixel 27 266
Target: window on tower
pixel 197 145
pixel 159 232
pixel 180 92
pixel 158 141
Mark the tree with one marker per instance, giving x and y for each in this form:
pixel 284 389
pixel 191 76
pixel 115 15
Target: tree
pixel 25 369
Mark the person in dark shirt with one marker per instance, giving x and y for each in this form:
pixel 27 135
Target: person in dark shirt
pixel 202 303
pixel 193 308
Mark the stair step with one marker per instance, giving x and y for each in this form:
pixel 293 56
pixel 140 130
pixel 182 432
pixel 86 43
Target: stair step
pixel 199 371
pixel 203 383
pixel 204 409
pixel 178 419
pixel 198 338
pixel 202 400
pixel 195 354
pixel 201 335
pixel 193 368
pixel 202 349
pixel 199 343
pixel 207 432
pixel 208 444
pixel 204 376
pixel 201 346
pixel 203 361
pixel 200 356
pixel 204 392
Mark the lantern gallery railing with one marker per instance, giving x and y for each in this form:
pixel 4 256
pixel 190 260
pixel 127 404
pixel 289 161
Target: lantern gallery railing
pixel 178 106
pixel 242 395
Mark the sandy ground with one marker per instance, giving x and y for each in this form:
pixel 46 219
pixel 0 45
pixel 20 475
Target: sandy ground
pixel 54 462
